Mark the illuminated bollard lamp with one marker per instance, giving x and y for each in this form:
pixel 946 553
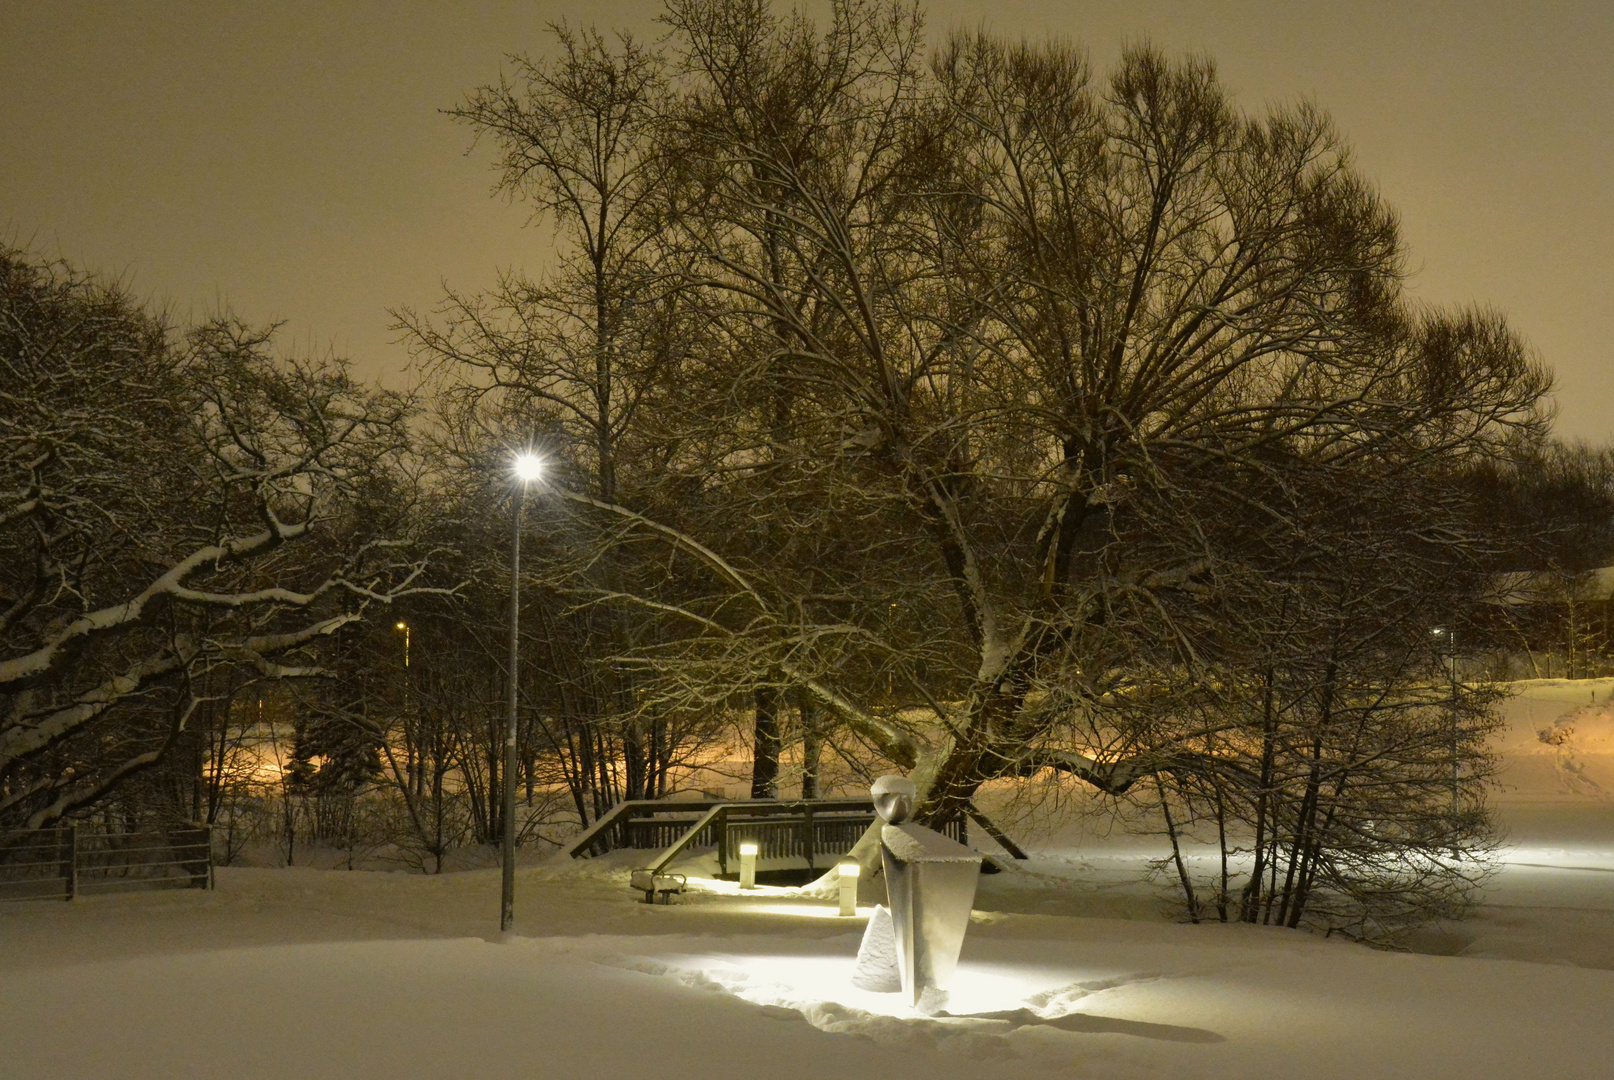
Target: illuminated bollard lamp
pixel 849 871
pixel 748 864
pixel 930 885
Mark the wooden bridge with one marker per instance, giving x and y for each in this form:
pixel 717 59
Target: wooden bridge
pixel 799 833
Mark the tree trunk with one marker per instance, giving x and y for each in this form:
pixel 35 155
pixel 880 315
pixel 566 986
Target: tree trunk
pixel 765 755
pixel 812 747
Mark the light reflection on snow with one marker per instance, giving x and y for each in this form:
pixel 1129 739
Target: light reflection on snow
pixel 732 888
pixel 816 910
pixel 804 983
pixel 1561 857
pixel 779 900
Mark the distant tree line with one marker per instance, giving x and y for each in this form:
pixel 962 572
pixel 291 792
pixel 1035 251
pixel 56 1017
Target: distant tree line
pixel 1555 504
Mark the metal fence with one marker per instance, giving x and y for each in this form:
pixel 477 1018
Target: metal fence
pixel 59 864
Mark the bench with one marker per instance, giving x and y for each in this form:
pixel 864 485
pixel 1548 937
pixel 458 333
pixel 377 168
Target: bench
pixel 653 885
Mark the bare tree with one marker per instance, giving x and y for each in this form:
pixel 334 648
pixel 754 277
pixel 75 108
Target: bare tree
pixel 588 359
pixel 1004 379
pixel 1027 308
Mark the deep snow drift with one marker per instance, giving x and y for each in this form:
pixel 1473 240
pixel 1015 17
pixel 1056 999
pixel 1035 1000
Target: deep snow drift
pixel 301 973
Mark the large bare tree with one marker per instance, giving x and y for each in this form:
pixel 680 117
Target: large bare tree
pixel 1021 308
pixel 1010 389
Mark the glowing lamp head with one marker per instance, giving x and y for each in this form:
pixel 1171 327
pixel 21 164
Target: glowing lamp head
pixel 528 467
pixel 849 868
pixel 749 847
pixel 402 626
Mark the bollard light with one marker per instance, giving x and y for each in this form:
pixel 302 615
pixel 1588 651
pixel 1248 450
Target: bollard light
pixel 748 864
pixel 849 869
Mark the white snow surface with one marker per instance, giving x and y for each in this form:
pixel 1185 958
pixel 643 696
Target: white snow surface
pixel 1072 967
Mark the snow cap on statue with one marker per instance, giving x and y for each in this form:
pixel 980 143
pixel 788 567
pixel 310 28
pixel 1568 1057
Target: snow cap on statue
pixel 893 798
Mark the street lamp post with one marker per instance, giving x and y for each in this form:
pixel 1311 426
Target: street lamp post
pixel 1448 638
pixel 411 765
pixel 527 467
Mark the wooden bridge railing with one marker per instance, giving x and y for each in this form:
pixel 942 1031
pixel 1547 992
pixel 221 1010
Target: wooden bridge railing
pixel 657 823
pixel 817 831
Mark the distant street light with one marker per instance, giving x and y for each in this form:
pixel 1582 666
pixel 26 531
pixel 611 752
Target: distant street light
pixel 527 467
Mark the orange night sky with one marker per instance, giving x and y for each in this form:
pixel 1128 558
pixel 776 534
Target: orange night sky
pixel 287 158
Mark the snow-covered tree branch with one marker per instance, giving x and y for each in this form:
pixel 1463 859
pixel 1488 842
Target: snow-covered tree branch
pixel 173 502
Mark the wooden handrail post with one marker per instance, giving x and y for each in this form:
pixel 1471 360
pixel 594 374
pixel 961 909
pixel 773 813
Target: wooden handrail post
pixel 807 834
pixel 723 841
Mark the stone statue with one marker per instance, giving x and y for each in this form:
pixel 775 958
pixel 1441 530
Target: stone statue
pixel 930 886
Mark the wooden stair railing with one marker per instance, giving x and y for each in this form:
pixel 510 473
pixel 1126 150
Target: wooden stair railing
pixel 792 823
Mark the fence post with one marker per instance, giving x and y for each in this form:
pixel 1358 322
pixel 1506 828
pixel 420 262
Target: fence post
pixel 68 854
pixel 200 869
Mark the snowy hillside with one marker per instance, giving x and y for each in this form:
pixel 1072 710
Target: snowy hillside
pixel 1559 742
pixel 1069 970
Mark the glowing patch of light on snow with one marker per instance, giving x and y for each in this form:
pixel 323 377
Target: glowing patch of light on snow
pixel 817 910
pixel 802 982
pixel 776 900
pixel 1562 856
pixel 732 888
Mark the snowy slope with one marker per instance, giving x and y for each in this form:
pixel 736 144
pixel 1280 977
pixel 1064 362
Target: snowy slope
pixel 1069 970
pixel 329 974
pixel 1558 747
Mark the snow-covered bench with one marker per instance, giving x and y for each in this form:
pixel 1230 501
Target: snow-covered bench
pixel 653 885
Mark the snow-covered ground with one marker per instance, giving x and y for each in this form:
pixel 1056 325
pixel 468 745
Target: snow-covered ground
pixel 1069 969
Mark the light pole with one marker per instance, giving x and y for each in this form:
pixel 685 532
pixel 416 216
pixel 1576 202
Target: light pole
pixel 411 767
pixel 527 467
pixel 1448 638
